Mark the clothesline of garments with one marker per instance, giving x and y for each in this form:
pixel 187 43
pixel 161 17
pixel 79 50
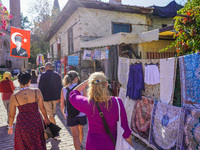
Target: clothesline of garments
pixel 154 79
pixel 159 124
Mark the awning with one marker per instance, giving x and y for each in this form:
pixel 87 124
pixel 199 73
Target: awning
pixel 125 38
pixel 115 39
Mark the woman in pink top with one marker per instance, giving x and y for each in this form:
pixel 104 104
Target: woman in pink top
pixel 97 138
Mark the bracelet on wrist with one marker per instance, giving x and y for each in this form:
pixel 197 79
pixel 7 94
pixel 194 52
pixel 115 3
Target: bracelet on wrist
pixel 10 127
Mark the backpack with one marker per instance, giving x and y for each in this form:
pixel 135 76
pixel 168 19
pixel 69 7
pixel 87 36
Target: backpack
pixel 71 111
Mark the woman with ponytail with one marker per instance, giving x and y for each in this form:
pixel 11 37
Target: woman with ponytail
pixel 75 119
pixel 98 96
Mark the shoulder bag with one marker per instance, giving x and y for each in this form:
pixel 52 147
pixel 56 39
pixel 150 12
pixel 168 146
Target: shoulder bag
pixel 47 130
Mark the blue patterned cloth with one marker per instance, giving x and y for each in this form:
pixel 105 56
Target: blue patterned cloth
pixel 165 124
pixel 189 138
pixel 190 80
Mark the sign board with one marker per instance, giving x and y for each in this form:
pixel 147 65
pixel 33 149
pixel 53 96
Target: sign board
pixel 57 66
pixel 73 60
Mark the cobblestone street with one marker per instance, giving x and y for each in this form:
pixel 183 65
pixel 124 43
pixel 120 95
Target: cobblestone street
pixel 65 142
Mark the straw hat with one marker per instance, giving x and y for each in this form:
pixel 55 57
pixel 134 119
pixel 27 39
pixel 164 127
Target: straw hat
pixel 6 75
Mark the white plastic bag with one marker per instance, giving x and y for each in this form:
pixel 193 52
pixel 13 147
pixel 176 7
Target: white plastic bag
pixel 121 143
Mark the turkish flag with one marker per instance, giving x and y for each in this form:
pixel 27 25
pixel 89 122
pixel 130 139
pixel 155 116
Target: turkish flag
pixel 20 43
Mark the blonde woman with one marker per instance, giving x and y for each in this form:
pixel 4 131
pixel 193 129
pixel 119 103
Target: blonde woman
pixel 75 119
pixel 97 92
pixel 6 88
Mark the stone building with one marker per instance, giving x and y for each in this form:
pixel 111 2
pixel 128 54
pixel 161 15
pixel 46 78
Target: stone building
pixel 5 58
pixel 86 20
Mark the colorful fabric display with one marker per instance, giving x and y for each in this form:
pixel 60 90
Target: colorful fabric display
pixel 87 55
pixel 165 125
pixel 92 56
pixel 123 71
pixel 135 82
pixel 167 73
pixel 103 54
pixel 189 135
pixel 107 53
pixel 190 80
pixel 97 54
pixel 141 118
pixel 152 75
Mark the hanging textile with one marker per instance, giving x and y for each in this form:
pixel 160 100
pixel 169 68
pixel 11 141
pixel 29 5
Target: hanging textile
pixel 122 94
pixel 129 105
pixel 97 54
pixel 152 75
pixel 113 63
pixel 189 135
pixel 123 71
pixel 87 55
pixel 165 125
pixel 167 79
pixel 190 80
pixel 177 90
pixel 151 91
pixel 135 82
pixel 141 118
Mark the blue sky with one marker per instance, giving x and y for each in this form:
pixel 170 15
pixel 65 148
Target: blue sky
pixel 145 3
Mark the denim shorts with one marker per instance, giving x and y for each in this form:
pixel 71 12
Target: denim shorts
pixel 76 121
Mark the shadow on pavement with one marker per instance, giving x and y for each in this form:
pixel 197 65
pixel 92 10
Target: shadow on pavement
pixel 61 117
pixel 54 144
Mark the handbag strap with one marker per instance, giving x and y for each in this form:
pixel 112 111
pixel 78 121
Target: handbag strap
pixel 118 110
pixel 105 123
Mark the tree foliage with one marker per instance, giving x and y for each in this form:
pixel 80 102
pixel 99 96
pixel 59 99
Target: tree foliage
pixel 25 23
pixel 41 24
pixel 187 25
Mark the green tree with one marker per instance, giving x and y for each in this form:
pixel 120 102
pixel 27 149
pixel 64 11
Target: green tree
pixel 41 24
pixel 25 24
pixel 187 25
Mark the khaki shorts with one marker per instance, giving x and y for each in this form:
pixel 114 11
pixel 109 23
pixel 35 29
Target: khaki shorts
pixel 50 107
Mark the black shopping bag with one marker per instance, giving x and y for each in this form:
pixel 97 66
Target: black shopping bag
pixel 55 129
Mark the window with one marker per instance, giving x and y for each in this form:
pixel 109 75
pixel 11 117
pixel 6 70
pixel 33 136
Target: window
pixel 70 41
pixel 120 27
pixel 164 25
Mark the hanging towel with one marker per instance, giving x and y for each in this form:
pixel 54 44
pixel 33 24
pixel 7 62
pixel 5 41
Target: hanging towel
pixel 122 94
pixel 135 82
pixel 87 55
pixel 123 71
pixel 166 79
pixel 152 75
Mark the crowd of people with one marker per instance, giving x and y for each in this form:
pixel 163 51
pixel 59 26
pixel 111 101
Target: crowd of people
pixel 78 103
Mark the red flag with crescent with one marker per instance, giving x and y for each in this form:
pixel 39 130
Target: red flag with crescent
pixel 20 43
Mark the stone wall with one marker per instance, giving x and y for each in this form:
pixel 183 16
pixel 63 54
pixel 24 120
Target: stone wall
pixel 95 23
